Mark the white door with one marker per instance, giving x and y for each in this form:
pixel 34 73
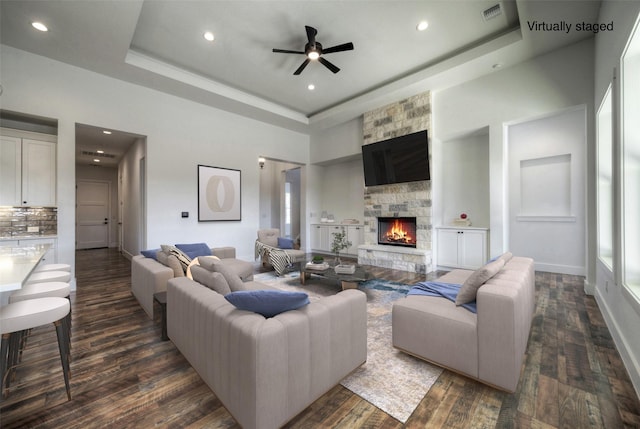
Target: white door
pixel 92 214
pixel 547 191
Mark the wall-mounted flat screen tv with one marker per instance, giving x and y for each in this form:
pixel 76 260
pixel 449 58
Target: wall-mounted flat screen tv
pixel 397 160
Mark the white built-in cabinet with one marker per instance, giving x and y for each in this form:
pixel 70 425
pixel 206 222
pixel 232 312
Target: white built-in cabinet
pixel 462 247
pixel 27 172
pixel 355 234
pixel 322 237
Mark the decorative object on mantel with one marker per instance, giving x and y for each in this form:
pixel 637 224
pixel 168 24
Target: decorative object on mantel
pixel 327 218
pixel 339 243
pixel 350 221
pixel 463 220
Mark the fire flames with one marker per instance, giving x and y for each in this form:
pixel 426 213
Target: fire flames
pixel 396 233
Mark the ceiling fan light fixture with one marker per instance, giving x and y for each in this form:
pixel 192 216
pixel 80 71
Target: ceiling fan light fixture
pixel 313 55
pixel 422 25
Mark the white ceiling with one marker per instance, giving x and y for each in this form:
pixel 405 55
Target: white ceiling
pixel 159 44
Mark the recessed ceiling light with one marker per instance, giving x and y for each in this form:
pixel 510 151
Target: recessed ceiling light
pixel 311 87
pixel 39 26
pixel 209 36
pixel 96 160
pixel 100 151
pixel 106 132
pixel 422 25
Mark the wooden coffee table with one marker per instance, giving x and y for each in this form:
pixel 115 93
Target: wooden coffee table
pixel 347 281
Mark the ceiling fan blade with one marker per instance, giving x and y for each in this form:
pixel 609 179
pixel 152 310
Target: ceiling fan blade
pixel 328 65
pixel 338 48
pixel 302 66
pixel 311 34
pixel 286 51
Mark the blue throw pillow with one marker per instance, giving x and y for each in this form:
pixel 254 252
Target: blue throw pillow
pixel 194 250
pixel 151 253
pixel 285 243
pixel 269 303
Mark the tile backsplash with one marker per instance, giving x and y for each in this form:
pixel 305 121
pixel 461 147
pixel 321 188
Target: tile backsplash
pixel 17 221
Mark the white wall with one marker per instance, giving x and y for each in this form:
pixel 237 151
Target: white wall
pixel 620 312
pixel 180 135
pixel 548 83
pixel 463 184
pixel 131 175
pixel 341 141
pixel 338 178
pixel 546 189
pixel 343 190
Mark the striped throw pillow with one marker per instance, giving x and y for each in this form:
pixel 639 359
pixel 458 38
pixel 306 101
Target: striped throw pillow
pixel 182 257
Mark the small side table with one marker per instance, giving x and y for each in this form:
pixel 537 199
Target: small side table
pixel 161 298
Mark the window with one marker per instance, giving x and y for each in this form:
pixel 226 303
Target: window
pixel 631 164
pixel 605 181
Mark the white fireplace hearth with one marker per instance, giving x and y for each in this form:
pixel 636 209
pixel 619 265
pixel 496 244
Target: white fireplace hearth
pixel 395 257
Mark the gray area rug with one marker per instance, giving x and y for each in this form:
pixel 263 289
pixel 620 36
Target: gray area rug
pixel 391 380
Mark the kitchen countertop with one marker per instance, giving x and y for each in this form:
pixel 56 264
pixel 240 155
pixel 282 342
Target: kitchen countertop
pixel 27 237
pixel 18 262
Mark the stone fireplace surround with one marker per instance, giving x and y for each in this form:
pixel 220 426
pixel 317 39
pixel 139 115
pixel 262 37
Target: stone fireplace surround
pixel 411 199
pixel 398 200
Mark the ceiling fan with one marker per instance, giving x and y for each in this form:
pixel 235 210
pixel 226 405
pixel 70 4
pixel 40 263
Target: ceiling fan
pixel 314 51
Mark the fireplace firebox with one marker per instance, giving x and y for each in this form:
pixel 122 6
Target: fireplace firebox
pixel 397 231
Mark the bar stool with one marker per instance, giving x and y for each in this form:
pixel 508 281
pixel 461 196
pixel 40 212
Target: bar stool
pixel 44 290
pixel 52 267
pixel 21 316
pixel 49 276
pixel 41 290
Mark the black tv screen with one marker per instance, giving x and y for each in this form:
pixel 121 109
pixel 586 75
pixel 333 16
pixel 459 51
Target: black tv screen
pixel 397 160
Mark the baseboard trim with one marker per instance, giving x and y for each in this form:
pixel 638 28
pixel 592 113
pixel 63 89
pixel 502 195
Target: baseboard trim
pixel 562 269
pixel 630 361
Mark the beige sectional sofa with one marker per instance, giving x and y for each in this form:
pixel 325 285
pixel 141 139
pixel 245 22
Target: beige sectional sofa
pixel 265 370
pixel 149 276
pixel 488 346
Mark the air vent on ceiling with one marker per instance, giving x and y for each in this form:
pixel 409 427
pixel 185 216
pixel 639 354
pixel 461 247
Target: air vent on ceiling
pixel 97 154
pixel 492 12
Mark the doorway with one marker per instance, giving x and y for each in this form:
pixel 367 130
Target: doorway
pixel 103 190
pixel 280 197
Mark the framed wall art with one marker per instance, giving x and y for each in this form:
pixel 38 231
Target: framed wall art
pixel 218 194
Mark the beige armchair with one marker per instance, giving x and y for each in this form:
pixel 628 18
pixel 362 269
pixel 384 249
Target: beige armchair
pixel 268 250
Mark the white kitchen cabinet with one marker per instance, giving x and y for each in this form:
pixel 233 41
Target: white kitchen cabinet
pixel 462 247
pixel 27 172
pixel 10 171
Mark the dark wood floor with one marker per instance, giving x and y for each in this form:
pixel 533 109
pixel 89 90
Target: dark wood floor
pixel 124 376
